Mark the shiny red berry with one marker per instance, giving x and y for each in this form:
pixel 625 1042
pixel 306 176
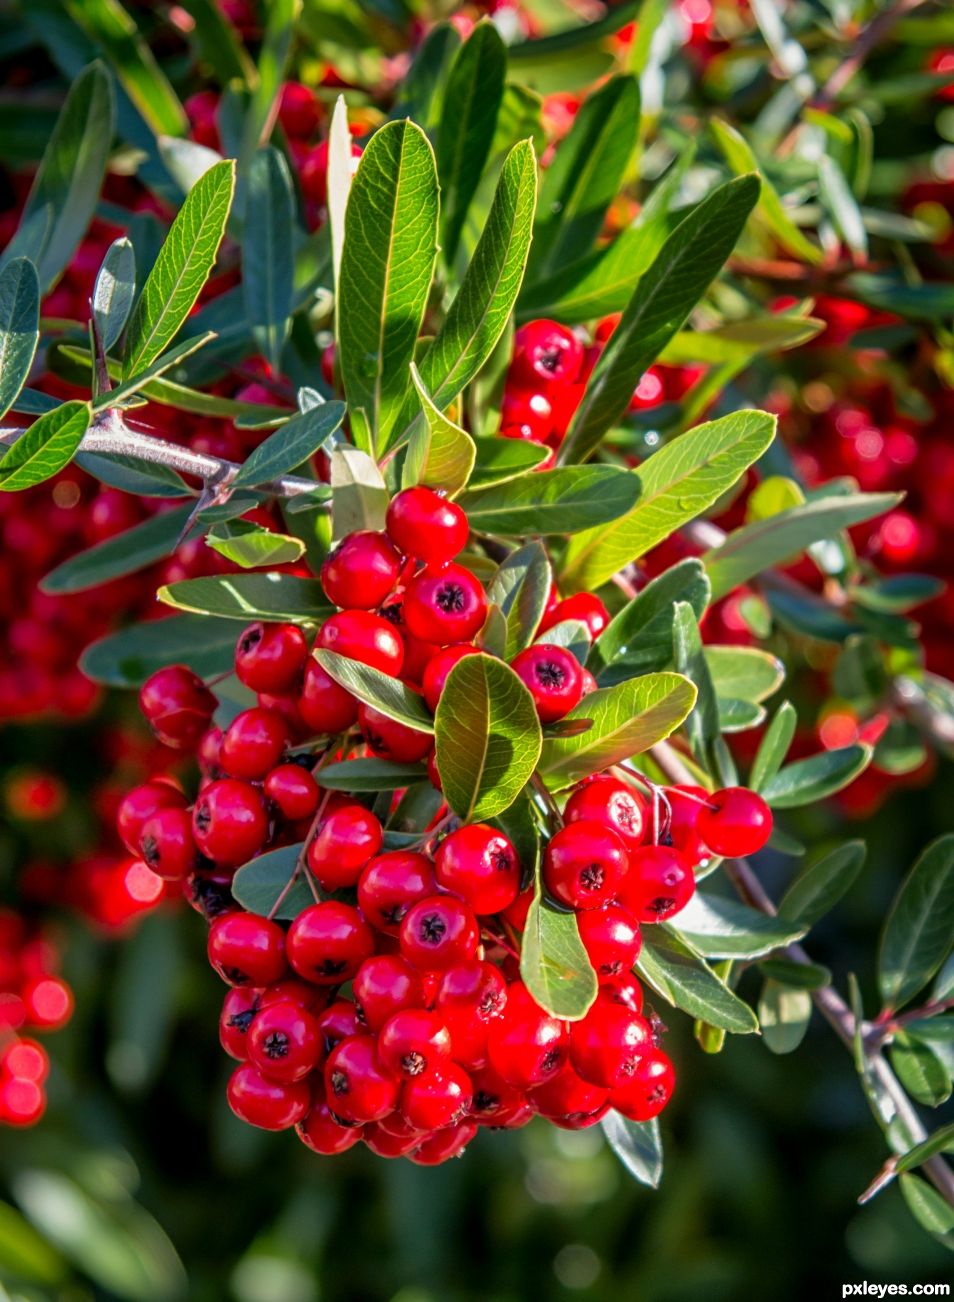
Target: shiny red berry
pixel 734 822
pixel 268 1104
pixel 254 743
pixel 336 1023
pixel 685 803
pixel 438 668
pixel 611 939
pixel 427 526
pixel 324 705
pixel 293 791
pixel 284 1042
pixel 413 1041
pixel 438 1098
pixel 177 705
pixel 323 1132
pixel 584 606
pixel 167 844
pixel 139 805
pixel 344 842
pixel 328 942
pixel 238 1008
pixel 390 884
pixel 554 678
pixel 648 1090
pixel 545 353
pixel 470 995
pixel 446 1144
pixel 480 864
pixel 438 932
pixel 229 822
pixel 247 950
pixel 607 1044
pixel 391 740
pixel 613 803
pixel 584 864
pixel 384 985
pixel 445 605
pixel 659 883
pixel 567 1098
pixel 361 636
pixel 527 1046
pixel 361 571
pixel 357 1085
pixel 270 657
pixel 495 1102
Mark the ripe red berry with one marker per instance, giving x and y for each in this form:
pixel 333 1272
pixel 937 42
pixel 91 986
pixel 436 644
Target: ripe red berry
pixel 209 754
pixel 328 942
pixel 336 1023
pixel 480 864
pixel 268 1104
pixel 167 843
pixel 361 636
pixel 659 883
pixel 446 605
pixel 439 666
pixel 361 571
pixel 613 803
pixel 346 839
pixel 567 1099
pixel 528 410
pixel 293 790
pixel 247 950
pixel 383 985
pixel 648 1090
pixel 611 939
pixel 470 995
pixel 584 864
pixel 390 884
pixel 622 990
pixel 299 109
pixel 554 678
pixel 734 822
pixel 446 1144
pixel 323 1132
pixel 270 657
pixel 527 1046
pixel 324 705
pixel 139 805
pixel 238 1008
pixel 495 1102
pixel 391 740
pixel 584 606
pixel 358 1087
pixel 438 932
pixel 254 743
pixel 606 1045
pixel 284 1042
pixel 546 353
pixel 177 705
pixel 229 822
pixel 413 1041
pixel 438 1098
pixel 427 526
pixel 685 803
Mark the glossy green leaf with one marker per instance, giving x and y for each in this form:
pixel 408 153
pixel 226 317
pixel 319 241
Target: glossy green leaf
pixel 773 747
pixel 370 774
pixel 114 291
pixel 19 327
pixel 380 690
pixel 560 501
pixel 259 885
pixel 675 484
pixel 687 982
pixel 291 445
pixel 270 597
pixel 784 1014
pixel 920 1070
pixel 440 454
pixel 641 634
pixel 744 673
pixel 637 1145
pixel 941 1141
pixel 917 932
pixel 930 1209
pixel 268 249
pixel 805 781
pixel 572 634
pixel 553 963
pixel 790 972
pixel 842 206
pixel 359 494
pixel 821 884
pixel 128 657
pixel 723 928
pixel 125 553
pixel 520 589
pixel 488 737
pixel 702 724
pixel 252 547
pixel 499 460
pixel 46 447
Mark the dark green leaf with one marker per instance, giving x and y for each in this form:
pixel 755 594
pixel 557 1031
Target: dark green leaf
pixel 19 327
pixel 268 249
pixel 784 1014
pixel 252 547
pixel 128 657
pixel 520 588
pixel 702 725
pixel 125 553
pixel 821 884
pixel 553 963
pixel 384 693
pixel 259 884
pixel 641 634
pixel 290 445
pixel 685 980
pixel 440 454
pixel 370 775
pixel 744 673
pixel 552 502
pixel 773 747
pixel 723 928
pixel 46 447
pixel 941 1141
pixel 114 291
pixel 930 1209
pixel 637 1145
pixel 499 460
pixel 269 597
pixel 917 933
pixel 790 972
pixel 920 1071
pixel 808 780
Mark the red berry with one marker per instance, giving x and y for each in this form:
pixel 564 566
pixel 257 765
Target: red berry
pixel 284 1042
pixel 734 822
pixel 270 657
pixel 495 1103
pixel 299 110
pixel 361 571
pixel 470 995
pixel 392 740
pixel 584 864
pixel 427 526
pixel 413 1041
pixel 444 1145
pixel 323 1132
pixel 383 985
pixel 685 803
pixel 611 939
pixel 253 743
pixel 446 605
pixel 328 942
pixel 438 1098
pixel 613 803
pixel 47 1002
pixel 648 1090
pixel 546 353
pixel 209 753
pixel 527 1046
pixel 480 864
pixel 293 790
pixel 336 1023
pixel 361 636
pixel 439 666
pixel 346 839
pixel 567 1099
pixel 177 705
pixel 238 1009
pixel 607 1044
pixel 266 1103
pixel 357 1085
pixel 554 678
pixel 382 1143
pixel 438 932
pixel 324 705
pixel 247 950
pixel 229 822
pixel 139 805
pixel 659 883
pixel 584 606
pixel 529 409
pixel 390 884
pixel 167 844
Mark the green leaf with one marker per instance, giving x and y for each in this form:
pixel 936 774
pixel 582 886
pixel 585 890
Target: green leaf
pixel 384 693
pixel 166 361
pixel 920 1071
pixel 520 589
pixel 757 547
pixel 472 99
pixel 183 266
pixel 387 262
pixel 572 634
pixel 440 454
pixel 930 1209
pixel 259 884
pixel 277 598
pixel 665 295
pixel 637 1145
pixel 144 1001
pixel 585 176
pixel 808 780
pixel 676 484
pixel 370 775
pixel 784 1014
pixel 773 747
pixel 290 445
pixel 552 502
pixel 501 459
pixel 114 291
pixel 641 634
pixel 941 1141
pixel 359 494
pixel 737 342
pixel 280 26
pixel 898 592
pixel 702 725
pixel 219 42
pixel 917 933
pixel 25 1254
pixel 46 447
pixel 124 553
pixel 65 190
pixel 479 313
pixel 488 737
pixel 790 972
pixel 820 885
pixel 553 963
pixel 626 720
pixel 19 327
pixel 724 928
pixel 738 154
pixel 744 673
pixel 686 981
pixel 250 546
pixel 128 657
pixel 268 252
pixel 842 206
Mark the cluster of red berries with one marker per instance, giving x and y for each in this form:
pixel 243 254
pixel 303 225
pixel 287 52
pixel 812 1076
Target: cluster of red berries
pixel 33 997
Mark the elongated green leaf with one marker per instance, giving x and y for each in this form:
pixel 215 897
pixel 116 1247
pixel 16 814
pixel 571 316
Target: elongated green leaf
pixel 625 720
pixel 805 781
pixel 585 175
pixel 166 361
pixel 917 933
pixel 252 547
pixel 360 496
pixel 677 483
pixel 144 478
pixel 842 206
pixel 66 187
pixel 259 885
pixel 597 284
pixel 114 291
pixel 472 98
pixel 737 342
pixel 941 1141
pixel 773 747
pixel 482 306
pixel 724 928
pixel 19 327
pixel 281 17
pixel 821 884
pixel 128 657
pixel 520 589
pixel 686 981
pixel 501 459
pixel 665 295
pixel 27 1255
pixel 387 262
pixel 384 693
pixel 269 597
pixel 268 262
pixel 920 1070
pixel 702 725
pixel 744 673
pixel 47 446
pixel 219 42
pixel 440 454
pixel 930 1209
pixel 552 502
pixel 784 1014
pixel 637 1145
pixel 370 775
pixel 641 634
pixel 290 445
pixel 553 963
pixel 757 547
pixel 488 737
pixel 799 976
pixel 124 553
pixel 183 266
